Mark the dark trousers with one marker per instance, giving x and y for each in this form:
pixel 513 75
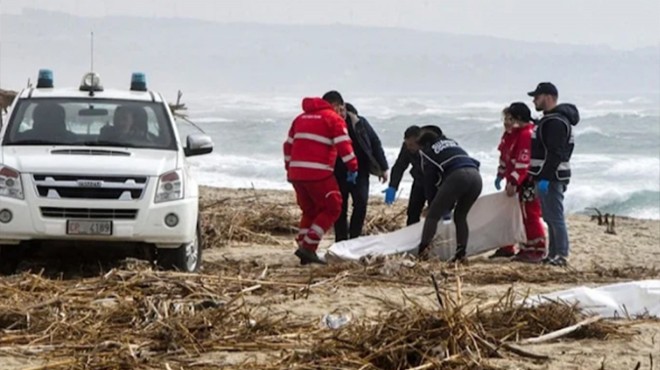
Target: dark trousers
pixel 360 196
pixel 461 188
pixel 416 202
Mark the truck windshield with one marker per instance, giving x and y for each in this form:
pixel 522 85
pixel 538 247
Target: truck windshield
pixel 90 122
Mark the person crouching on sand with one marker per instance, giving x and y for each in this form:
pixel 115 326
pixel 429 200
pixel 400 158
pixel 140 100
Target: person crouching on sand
pixel 515 156
pixel 315 139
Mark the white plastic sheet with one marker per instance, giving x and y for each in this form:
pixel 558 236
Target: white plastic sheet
pixel 495 220
pixel 617 300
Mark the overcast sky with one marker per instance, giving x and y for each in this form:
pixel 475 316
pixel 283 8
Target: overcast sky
pixel 618 23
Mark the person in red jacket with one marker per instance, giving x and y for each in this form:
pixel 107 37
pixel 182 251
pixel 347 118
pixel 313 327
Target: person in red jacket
pixel 515 149
pixel 316 138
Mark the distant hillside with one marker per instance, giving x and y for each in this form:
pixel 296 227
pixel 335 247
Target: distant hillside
pixel 205 56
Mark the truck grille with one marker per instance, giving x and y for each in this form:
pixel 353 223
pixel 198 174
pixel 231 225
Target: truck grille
pixel 90 187
pixel 89 213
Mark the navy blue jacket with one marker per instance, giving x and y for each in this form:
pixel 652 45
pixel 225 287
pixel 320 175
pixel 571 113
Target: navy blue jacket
pixel 403 160
pixel 439 160
pixel 553 143
pixel 367 147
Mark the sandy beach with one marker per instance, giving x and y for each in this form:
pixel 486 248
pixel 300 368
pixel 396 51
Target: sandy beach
pixel 267 277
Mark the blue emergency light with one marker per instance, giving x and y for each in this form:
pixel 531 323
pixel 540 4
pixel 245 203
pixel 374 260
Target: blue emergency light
pixel 45 79
pixel 138 82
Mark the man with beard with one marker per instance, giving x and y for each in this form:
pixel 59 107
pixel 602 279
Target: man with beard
pixel 552 147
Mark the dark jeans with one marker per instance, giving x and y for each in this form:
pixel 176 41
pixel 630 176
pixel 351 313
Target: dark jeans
pixel 552 207
pixel 461 188
pixel 416 202
pixel 360 195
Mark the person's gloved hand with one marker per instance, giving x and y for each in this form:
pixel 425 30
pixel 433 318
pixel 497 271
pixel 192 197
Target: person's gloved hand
pixel 351 177
pixel 498 183
pixel 543 186
pixel 390 195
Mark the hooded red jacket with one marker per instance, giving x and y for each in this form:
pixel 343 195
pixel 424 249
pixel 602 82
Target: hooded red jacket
pixel 515 154
pixel 315 138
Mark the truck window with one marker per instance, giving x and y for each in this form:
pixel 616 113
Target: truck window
pixel 90 122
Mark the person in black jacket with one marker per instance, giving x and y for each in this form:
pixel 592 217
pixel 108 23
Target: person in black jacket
pixel 371 161
pixel 408 156
pixel 552 147
pixel 451 179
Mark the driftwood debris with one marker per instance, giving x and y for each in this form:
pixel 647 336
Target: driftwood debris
pixel 607 219
pixel 598 216
pixel 610 227
pixel 561 332
pixel 178 107
pixel 6 99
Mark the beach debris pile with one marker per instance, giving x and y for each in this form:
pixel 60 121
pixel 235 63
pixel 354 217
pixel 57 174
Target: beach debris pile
pixel 143 318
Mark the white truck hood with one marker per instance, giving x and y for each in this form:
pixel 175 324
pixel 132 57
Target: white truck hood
pixel 88 160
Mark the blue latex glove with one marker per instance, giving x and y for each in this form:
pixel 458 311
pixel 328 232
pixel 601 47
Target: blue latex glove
pixel 390 195
pixel 498 183
pixel 543 186
pixel 351 177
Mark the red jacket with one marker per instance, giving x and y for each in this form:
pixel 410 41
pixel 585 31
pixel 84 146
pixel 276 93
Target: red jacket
pixel 315 138
pixel 515 154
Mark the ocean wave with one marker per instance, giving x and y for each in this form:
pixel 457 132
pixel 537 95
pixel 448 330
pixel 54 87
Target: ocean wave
pixel 589 130
pixel 487 105
pixel 488 119
pixel 634 167
pixel 236 106
pixel 637 204
pixel 607 103
pixel 211 120
pixel 624 200
pixel 639 100
pixel 586 113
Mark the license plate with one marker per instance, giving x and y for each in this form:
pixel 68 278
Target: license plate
pixel 87 227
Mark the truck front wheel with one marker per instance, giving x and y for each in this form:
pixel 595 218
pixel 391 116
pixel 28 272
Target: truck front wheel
pixel 186 258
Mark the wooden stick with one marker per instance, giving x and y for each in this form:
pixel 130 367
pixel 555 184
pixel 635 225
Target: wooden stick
pixel 524 353
pixel 211 205
pixel 44 304
pixel 651 361
pixel 490 346
pixel 264 282
pixel 251 289
pixel 437 291
pixel 427 365
pixel 561 332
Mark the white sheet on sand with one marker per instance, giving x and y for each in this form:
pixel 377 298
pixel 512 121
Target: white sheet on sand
pixel 494 220
pixel 616 300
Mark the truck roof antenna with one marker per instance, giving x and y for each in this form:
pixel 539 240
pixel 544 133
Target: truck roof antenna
pixel 92 51
pixel 91 91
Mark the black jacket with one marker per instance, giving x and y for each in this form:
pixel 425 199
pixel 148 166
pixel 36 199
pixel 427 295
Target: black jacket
pixel 403 160
pixel 553 144
pixel 439 160
pixel 366 145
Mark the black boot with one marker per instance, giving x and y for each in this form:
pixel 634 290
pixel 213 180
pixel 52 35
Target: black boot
pixel 459 256
pixel 306 257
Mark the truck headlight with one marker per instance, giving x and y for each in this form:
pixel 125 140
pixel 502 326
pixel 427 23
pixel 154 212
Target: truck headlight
pixel 170 187
pixel 10 183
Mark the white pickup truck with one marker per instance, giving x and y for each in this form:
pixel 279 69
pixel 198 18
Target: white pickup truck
pixel 98 166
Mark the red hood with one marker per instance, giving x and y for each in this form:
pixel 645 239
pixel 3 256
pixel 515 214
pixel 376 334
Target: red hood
pixel 310 105
pixel 526 127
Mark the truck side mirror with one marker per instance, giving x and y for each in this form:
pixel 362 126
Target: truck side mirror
pixel 198 144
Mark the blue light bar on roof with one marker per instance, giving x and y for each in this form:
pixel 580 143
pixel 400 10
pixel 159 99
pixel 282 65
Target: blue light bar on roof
pixel 138 82
pixel 45 79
